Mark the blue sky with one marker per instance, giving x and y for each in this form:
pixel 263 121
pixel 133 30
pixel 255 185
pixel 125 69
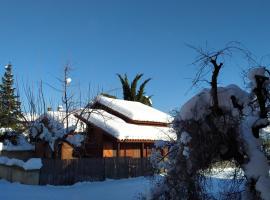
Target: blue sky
pixel 101 38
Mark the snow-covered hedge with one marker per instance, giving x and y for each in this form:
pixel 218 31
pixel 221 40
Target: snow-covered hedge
pixel 31 164
pixel 15 141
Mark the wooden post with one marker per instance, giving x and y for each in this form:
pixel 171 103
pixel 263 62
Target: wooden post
pixel 142 148
pixel 125 150
pixel 118 150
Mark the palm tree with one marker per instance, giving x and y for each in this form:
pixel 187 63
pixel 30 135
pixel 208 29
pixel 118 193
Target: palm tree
pixel 130 91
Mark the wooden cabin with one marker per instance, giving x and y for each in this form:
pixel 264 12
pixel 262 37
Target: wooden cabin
pixel 120 128
pixel 112 128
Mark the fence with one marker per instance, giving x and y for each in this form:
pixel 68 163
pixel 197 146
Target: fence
pixel 18 174
pixel 67 172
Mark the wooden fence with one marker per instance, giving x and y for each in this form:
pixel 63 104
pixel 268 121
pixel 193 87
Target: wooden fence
pixel 67 172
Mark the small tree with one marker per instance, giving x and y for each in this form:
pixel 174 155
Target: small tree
pixel 130 91
pixel 66 99
pixel 10 110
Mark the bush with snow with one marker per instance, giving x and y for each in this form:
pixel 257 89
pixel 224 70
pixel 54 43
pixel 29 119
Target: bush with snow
pixel 15 141
pixel 206 137
pixel 50 128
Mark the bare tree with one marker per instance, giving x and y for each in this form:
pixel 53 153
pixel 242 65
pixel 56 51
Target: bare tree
pixel 67 98
pixel 212 61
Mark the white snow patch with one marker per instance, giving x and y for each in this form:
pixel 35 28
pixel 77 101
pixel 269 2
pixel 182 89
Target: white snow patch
pixel 30 117
pixel 122 130
pixel 134 110
pixel 185 138
pixel 199 105
pixel 76 139
pixel 60 117
pixel 22 145
pixel 124 189
pixel 186 152
pixel 31 164
pixel 4 130
pixel 56 127
pixel 257 167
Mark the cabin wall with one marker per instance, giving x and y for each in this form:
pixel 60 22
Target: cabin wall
pixel 109 149
pixel 99 144
pixel 43 150
pixel 94 142
pixel 127 149
pixel 132 150
pixel 148 149
pixel 66 151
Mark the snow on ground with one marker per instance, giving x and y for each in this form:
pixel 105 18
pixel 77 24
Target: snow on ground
pixel 124 189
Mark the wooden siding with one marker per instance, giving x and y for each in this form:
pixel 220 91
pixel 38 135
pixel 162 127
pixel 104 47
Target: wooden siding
pixel 66 151
pixel 109 150
pixel 43 150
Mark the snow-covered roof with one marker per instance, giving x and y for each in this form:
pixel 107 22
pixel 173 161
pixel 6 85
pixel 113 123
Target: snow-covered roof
pixel 122 130
pixel 134 110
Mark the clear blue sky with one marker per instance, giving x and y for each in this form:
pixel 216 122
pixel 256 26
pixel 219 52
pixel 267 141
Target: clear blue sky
pixel 101 38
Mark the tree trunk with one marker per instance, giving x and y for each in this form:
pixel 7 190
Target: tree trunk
pixel 214 88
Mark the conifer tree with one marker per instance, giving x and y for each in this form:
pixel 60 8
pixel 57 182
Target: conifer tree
pixel 10 110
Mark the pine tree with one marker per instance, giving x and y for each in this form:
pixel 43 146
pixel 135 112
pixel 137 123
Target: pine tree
pixel 10 110
pixel 130 91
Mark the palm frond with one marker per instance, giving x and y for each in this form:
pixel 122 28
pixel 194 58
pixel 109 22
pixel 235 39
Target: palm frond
pixel 125 86
pixel 133 86
pixel 140 93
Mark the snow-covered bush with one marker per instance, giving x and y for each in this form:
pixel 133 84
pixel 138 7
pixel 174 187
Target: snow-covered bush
pixel 209 131
pixel 203 139
pixel 50 128
pixel 15 141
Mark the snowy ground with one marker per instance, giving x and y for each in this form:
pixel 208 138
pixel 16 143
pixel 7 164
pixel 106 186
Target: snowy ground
pixel 125 189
